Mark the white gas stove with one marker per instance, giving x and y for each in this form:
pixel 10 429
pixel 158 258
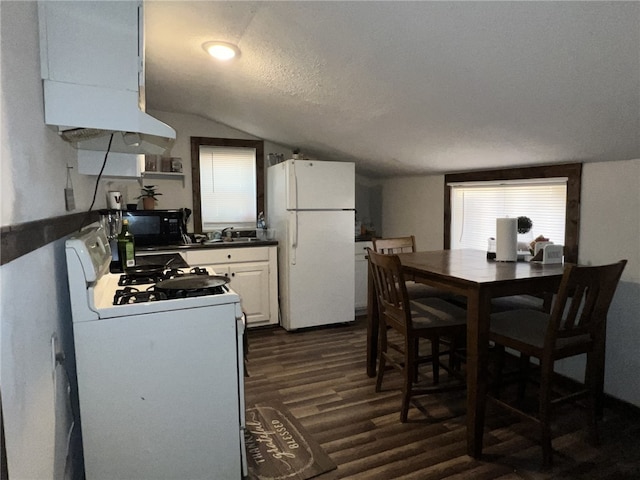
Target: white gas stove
pixel 161 381
pixel 88 268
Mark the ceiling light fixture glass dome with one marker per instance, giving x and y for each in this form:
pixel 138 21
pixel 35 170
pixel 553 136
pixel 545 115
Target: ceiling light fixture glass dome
pixel 221 50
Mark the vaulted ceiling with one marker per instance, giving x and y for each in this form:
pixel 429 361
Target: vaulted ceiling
pixel 409 87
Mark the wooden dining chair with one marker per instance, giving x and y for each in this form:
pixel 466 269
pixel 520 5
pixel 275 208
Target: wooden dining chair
pixel 415 289
pixel 576 325
pixel 429 318
pixel 403 245
pixel 395 245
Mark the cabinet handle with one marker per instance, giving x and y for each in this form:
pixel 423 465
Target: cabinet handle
pixel 233 274
pixel 229 256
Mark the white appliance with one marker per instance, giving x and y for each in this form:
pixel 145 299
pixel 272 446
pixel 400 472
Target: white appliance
pixel 94 77
pixel 310 205
pixel 160 382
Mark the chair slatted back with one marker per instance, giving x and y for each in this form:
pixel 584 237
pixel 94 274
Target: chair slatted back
pixel 394 245
pixel 393 299
pixel 583 301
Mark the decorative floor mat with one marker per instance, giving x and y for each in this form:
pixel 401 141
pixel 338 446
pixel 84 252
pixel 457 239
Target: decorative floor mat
pixel 279 448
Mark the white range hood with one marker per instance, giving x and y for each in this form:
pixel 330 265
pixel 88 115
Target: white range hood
pixel 87 115
pixel 92 65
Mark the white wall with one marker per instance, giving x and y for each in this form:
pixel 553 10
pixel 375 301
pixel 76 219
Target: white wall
pixel 34 300
pixel 610 215
pixel 413 206
pixel 609 231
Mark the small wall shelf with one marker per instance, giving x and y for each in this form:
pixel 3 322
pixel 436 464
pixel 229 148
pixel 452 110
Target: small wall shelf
pixel 163 175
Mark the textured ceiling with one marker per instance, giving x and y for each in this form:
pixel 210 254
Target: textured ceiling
pixel 409 87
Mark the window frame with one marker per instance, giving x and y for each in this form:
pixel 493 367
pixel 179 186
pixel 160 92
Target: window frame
pixel 573 172
pixel 196 143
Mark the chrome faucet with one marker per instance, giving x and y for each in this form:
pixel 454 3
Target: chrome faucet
pixel 224 231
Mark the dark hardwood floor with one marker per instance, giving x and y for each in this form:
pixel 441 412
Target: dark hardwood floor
pixel 320 376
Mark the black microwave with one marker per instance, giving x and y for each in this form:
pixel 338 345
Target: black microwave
pixel 156 227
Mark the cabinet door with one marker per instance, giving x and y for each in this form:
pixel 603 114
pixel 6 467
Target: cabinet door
pixel 254 276
pixel 220 270
pixel 251 282
pixel 362 272
pixel 91 43
pixel 361 284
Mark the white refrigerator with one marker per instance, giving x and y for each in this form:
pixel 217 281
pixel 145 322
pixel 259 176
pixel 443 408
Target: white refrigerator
pixel 311 206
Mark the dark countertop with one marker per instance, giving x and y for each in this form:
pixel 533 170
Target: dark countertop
pixel 201 246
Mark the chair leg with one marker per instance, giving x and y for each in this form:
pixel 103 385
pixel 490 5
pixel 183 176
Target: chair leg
pixel 416 372
pixel 524 369
pixel 546 373
pixel 382 360
pixel 499 367
pixel 453 347
pixel 592 399
pixel 408 374
pixel 455 362
pixel 435 354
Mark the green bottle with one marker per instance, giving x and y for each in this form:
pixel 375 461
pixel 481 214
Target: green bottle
pixel 126 247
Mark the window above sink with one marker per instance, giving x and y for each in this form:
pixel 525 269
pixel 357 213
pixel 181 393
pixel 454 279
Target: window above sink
pixel 228 183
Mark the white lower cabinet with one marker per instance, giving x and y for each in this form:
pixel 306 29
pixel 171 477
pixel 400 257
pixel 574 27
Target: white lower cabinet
pixel 362 271
pixel 253 274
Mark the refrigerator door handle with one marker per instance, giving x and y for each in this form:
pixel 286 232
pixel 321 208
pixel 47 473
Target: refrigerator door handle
pixel 292 191
pixel 293 238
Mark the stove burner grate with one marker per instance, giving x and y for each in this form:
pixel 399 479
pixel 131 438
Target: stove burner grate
pixel 169 285
pixel 130 295
pixel 193 285
pixel 137 279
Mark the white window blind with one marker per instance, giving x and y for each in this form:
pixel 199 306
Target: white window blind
pixel 475 207
pixel 227 187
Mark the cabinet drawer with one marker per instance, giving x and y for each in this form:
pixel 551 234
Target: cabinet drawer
pixel 227 255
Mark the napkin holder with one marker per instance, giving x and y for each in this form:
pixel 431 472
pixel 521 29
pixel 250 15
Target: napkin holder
pixel 539 246
pixel 551 253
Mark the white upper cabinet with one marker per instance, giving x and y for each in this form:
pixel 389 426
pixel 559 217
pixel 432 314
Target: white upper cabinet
pixel 92 66
pixel 91 43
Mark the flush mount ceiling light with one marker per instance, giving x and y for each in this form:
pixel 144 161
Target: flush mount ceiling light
pixel 221 50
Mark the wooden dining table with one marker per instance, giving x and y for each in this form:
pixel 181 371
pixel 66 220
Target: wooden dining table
pixel 470 274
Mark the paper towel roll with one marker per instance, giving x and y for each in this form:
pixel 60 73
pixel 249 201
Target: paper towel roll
pixel 506 239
